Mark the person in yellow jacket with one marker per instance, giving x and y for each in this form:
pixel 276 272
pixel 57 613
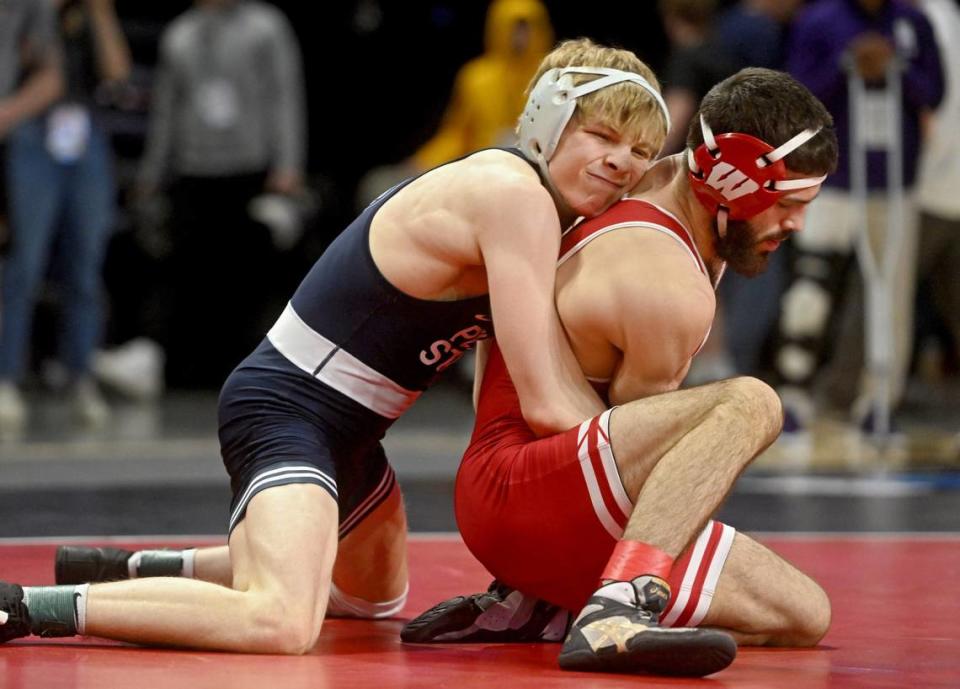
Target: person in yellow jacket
pixel 488 94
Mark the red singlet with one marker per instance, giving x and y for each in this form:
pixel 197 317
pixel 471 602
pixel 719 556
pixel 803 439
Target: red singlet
pixel 543 514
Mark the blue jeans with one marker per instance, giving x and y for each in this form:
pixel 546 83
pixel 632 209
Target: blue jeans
pixel 70 206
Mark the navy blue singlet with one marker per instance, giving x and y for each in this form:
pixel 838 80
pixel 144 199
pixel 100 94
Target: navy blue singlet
pixel 349 354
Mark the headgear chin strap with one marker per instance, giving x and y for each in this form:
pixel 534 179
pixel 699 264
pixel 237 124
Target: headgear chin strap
pixel 740 176
pixel 552 103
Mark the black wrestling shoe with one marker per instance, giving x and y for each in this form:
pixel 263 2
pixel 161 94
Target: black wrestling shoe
pixel 18 618
pixel 501 615
pixel 79 564
pixel 611 636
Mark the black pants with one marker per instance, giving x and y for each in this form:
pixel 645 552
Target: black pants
pixel 220 275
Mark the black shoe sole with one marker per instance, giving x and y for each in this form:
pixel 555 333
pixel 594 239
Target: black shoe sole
pixel 83 565
pixel 688 653
pixel 18 618
pixel 444 618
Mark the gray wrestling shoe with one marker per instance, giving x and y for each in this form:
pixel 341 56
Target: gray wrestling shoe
pixel 501 615
pixel 78 564
pixel 17 622
pixel 612 636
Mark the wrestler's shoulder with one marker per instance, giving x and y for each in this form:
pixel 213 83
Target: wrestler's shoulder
pixel 497 169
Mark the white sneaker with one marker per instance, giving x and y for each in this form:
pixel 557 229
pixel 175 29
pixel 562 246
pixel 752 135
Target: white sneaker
pixel 13 410
pixel 134 369
pixel 88 404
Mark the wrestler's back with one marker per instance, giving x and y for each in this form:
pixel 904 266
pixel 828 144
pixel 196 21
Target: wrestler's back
pixel 586 304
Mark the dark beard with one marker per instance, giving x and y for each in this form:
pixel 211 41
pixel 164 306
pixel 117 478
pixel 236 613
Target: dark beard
pixel 739 249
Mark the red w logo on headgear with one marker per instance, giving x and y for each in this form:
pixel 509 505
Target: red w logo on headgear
pixel 730 182
pixel 741 174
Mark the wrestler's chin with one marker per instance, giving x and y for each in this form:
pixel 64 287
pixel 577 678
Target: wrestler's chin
pixel 753 267
pixel 592 205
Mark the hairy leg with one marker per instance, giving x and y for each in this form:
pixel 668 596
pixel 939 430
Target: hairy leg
pixel 282 554
pixel 761 599
pixel 680 453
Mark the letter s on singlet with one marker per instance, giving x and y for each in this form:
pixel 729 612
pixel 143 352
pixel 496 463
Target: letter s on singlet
pixel 437 349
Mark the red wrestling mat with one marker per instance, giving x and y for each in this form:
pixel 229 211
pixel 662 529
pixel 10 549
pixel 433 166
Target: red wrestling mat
pixel 896 603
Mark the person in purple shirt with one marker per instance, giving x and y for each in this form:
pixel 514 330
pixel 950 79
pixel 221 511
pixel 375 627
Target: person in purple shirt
pixel 829 38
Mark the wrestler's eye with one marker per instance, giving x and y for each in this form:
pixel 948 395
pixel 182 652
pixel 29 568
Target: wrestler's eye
pixel 603 134
pixel 792 204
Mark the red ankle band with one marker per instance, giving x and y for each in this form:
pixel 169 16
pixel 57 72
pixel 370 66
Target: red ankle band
pixel 631 559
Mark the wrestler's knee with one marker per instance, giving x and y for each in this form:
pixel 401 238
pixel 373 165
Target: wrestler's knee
pixel 755 405
pixel 816 619
pixel 806 624
pixel 284 627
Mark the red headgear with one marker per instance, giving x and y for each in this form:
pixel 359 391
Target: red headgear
pixel 742 175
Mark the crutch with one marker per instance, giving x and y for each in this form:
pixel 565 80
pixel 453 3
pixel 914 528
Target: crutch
pixel 878 271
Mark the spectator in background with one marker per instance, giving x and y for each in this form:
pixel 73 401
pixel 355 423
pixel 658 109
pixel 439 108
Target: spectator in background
pixel 227 125
pixel 753 32
pixel 30 80
pixel 868 33
pixel 488 94
pixel 696 62
pixel 61 185
pixel 939 180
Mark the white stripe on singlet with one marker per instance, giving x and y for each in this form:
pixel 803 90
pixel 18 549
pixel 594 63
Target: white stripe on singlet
pixel 611 470
pixel 278 475
pixel 610 481
pixel 373 499
pixel 311 352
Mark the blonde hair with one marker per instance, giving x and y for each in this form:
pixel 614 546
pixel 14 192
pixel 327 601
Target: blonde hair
pixel 625 106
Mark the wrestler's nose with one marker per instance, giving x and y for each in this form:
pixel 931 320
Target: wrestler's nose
pixel 618 157
pixel 794 223
pixel 621 161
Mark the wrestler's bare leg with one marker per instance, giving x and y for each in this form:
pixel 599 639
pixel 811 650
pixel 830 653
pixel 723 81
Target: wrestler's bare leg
pixel 761 599
pixel 371 561
pixel 213 564
pixel 371 564
pixel 282 555
pixel 680 453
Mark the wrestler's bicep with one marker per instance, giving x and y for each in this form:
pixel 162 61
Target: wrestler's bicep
pixel 661 332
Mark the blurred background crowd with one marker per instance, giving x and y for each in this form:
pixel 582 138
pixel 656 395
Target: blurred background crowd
pixel 173 169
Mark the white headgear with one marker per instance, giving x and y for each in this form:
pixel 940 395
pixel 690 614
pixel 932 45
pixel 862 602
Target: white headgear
pixel 553 100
